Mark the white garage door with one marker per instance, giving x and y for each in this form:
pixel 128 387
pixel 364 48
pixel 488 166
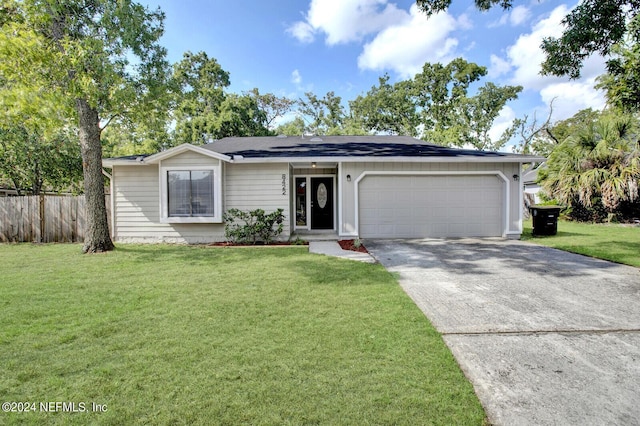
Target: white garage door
pixel 431 206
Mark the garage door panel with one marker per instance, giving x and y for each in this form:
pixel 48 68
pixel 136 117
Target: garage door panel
pixel 431 206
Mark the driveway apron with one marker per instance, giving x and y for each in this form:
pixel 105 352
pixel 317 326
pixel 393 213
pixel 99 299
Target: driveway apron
pixel 545 336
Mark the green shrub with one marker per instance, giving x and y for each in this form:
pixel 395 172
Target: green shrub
pixel 251 227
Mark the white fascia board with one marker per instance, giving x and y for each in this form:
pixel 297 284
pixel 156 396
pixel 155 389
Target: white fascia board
pixel 110 162
pixel 377 159
pixel 156 158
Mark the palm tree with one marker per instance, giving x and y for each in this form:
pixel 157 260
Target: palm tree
pixel 598 163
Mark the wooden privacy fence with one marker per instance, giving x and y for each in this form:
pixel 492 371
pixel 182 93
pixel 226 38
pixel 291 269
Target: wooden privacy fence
pixel 43 218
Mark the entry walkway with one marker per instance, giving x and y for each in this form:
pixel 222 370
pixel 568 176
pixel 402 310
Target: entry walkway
pixel 332 248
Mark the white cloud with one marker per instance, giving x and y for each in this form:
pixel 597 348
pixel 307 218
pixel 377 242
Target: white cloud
pixel 399 40
pixel 522 65
pixel 526 55
pixel 406 46
pixel 302 31
pixel 519 15
pixel 569 97
pixel 498 66
pixel 296 78
pixel 499 23
pixel 343 21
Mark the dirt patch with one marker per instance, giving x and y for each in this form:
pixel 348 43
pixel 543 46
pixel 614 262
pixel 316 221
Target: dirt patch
pixel 350 245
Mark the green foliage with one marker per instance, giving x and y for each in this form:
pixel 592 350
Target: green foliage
pixel 434 6
pixel 201 82
pixel 436 106
pixel 295 127
pixel 597 164
pixel 299 242
pixel 92 61
pixel 357 243
pixel 387 108
pixel 33 162
pixel 327 114
pixel 205 112
pixel 480 111
pixel 240 115
pixel 593 26
pixel 272 106
pixel 585 118
pixel 252 226
pixel 450 117
pixel 84 50
pixel 126 137
pixel 622 79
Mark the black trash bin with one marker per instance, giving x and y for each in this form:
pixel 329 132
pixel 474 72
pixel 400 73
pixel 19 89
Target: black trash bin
pixel 545 219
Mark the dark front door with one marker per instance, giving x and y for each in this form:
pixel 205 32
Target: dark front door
pixel 321 203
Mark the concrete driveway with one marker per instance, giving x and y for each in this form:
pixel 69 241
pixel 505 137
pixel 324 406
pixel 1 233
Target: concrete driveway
pixel 546 337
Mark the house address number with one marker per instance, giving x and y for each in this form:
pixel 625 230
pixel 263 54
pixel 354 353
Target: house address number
pixel 284 184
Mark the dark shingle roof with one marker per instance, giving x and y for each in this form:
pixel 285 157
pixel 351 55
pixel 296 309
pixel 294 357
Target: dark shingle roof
pixel 339 146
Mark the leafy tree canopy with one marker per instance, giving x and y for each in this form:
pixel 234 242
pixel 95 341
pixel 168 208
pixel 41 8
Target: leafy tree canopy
pixel 205 111
pixel 326 114
pixel 436 106
pixel 387 108
pixel 295 127
pixel 271 105
pixel 33 162
pixel 622 79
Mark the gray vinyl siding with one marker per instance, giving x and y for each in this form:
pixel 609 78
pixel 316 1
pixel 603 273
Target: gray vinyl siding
pixel 356 169
pixel 136 192
pixel 258 186
pixel 137 211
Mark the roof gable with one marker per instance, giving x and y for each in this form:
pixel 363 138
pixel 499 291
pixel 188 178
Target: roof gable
pixel 156 158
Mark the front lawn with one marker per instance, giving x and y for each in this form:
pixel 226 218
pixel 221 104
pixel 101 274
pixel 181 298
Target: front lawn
pixel 615 242
pixel 200 335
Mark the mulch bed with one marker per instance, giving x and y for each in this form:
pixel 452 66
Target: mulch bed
pixel 258 244
pixel 348 245
pixel 345 244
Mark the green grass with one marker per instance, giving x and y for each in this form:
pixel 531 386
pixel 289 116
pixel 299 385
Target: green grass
pixel 199 335
pixel 614 242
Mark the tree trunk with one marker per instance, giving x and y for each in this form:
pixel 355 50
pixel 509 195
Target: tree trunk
pixel 96 234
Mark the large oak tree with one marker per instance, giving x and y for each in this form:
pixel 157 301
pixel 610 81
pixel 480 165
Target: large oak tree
pixel 95 60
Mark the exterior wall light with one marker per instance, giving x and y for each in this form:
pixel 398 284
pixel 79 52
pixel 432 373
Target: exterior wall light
pixel 348 178
pixel 313 165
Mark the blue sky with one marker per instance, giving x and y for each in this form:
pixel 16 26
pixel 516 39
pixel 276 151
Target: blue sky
pixel 289 47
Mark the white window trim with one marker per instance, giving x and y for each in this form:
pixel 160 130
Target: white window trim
pixel 217 195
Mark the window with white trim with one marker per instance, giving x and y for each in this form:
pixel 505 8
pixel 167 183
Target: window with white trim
pixel 191 195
